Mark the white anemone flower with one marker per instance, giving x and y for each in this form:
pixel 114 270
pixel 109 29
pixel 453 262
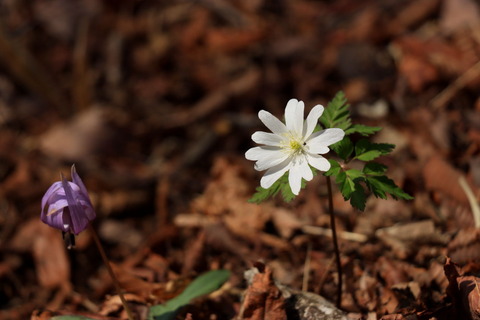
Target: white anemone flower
pixel 292 146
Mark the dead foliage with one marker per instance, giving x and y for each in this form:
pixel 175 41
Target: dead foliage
pixel 155 103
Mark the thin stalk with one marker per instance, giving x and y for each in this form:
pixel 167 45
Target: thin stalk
pixel 335 242
pixel 110 271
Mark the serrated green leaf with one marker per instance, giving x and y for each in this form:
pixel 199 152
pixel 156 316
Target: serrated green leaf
pixel 340 178
pixel 263 194
pixel 362 129
pixel 354 174
pixel 367 151
pixel 201 286
pixel 346 184
pixel 381 185
pixel 374 169
pixel 337 113
pixel 334 168
pixel 343 148
pixel 358 198
pixel 281 186
pixel 287 193
pixel 369 155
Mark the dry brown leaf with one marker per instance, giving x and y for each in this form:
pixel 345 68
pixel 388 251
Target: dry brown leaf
pixel 139 288
pixel 459 14
pixel 411 14
pixel 440 176
pixel 233 40
pixel 286 222
pixel 53 266
pixel 464 291
pixel 87 134
pixel 424 61
pixel 193 253
pixel 366 295
pixel 41 315
pixel 470 292
pixel 114 303
pixel 465 246
pixel 418 232
pixel 389 271
pixel 417 71
pixel 263 299
pixel 48 250
pixel 388 300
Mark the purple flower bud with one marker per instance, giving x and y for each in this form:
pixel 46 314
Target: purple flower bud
pixel 66 205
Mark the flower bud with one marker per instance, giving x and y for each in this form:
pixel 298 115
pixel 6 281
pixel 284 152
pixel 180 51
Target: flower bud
pixel 66 205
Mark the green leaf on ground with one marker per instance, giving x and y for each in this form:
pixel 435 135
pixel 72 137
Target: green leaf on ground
pixel 204 284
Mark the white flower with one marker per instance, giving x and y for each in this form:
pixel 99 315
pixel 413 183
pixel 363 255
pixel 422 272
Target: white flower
pixel 292 146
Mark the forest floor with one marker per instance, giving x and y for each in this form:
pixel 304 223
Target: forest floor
pixel 155 103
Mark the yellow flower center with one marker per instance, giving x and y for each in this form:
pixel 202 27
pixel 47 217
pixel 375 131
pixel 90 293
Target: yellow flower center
pixel 293 145
pixel 296 146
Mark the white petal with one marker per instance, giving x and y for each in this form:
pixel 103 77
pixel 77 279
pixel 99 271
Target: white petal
pixel 294 116
pixel 262 152
pixel 254 153
pixel 274 173
pixel 318 162
pixel 312 120
pixel 299 170
pixel 307 172
pixel 326 137
pixel 270 159
pixel 269 139
pixel 272 122
pixel 317 148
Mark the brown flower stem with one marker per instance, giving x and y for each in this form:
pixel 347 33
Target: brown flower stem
pixel 335 242
pixel 110 271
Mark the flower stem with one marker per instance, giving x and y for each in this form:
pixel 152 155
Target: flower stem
pixel 335 242
pixel 110 271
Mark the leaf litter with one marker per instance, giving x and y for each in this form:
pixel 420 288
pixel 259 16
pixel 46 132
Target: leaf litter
pixel 155 103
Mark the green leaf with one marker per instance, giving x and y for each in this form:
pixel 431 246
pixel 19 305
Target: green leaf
pixel 346 184
pixel 343 148
pixel 362 129
pixel 334 168
pixel 263 194
pixel 354 174
pixel 349 182
pixel 281 185
pixel 381 185
pixel 358 198
pixel 202 285
pixel 367 151
pixel 337 113
pixel 374 169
